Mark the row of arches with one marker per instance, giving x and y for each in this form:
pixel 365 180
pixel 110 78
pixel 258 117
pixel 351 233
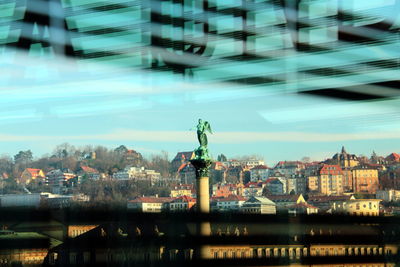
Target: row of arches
pixel 298 252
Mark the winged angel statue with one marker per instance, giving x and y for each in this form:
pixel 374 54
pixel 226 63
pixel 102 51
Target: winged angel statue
pixel 202 151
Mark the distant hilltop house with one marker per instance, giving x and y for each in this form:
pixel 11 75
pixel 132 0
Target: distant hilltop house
pixel 248 163
pixel 138 174
pixel 59 177
pixel 90 155
pixel 88 172
pixel 30 174
pixel 132 155
pixel 181 158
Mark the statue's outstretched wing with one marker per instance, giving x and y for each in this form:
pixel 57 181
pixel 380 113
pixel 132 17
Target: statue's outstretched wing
pixel 208 127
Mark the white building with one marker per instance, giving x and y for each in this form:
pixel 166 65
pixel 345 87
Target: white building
pixel 182 204
pixel 229 203
pixel 276 186
pixel 21 200
pixel 149 204
pixel 388 195
pixel 137 173
pixel 259 173
pixel 58 178
pixel 259 205
pixel 253 189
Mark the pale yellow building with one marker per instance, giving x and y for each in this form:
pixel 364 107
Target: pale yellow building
pixel 312 183
pixel 183 190
pixel 330 180
pixel 344 159
pixel 358 207
pixel 365 179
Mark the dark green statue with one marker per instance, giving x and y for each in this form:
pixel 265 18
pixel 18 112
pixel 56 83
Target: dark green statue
pixel 202 161
pixel 202 151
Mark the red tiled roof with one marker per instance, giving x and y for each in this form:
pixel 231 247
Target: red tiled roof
pixel 231 198
pixel 183 155
pixel 184 199
pixel 260 167
pixel 33 171
pixel 395 156
pixel 89 169
pixel 331 169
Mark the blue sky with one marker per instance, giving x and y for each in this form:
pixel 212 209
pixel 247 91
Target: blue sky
pixel 49 101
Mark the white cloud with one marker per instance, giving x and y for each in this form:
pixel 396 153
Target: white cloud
pixel 217 138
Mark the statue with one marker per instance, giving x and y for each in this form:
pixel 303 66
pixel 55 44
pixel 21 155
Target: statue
pixel 202 160
pixel 202 151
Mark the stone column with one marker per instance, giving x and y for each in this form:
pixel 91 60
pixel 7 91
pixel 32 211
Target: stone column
pixel 202 203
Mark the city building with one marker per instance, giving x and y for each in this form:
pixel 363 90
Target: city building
pixel 330 180
pixel 393 157
pixel 258 205
pixel 312 183
pixel 86 172
pixel 30 174
pixel 302 208
pixel 59 178
pixel 183 190
pixel 186 173
pixel 289 168
pixel 181 204
pixel 344 159
pixel 231 203
pixel 276 186
pixel 357 207
pixel 137 174
pixel 365 179
pixel 22 200
pixel 324 203
pixel 388 195
pixel 253 189
pixel 259 173
pixel 224 190
pixel 23 248
pixel 348 182
pixel 149 204
pixel 283 201
pixel 146 245
pixel 181 158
